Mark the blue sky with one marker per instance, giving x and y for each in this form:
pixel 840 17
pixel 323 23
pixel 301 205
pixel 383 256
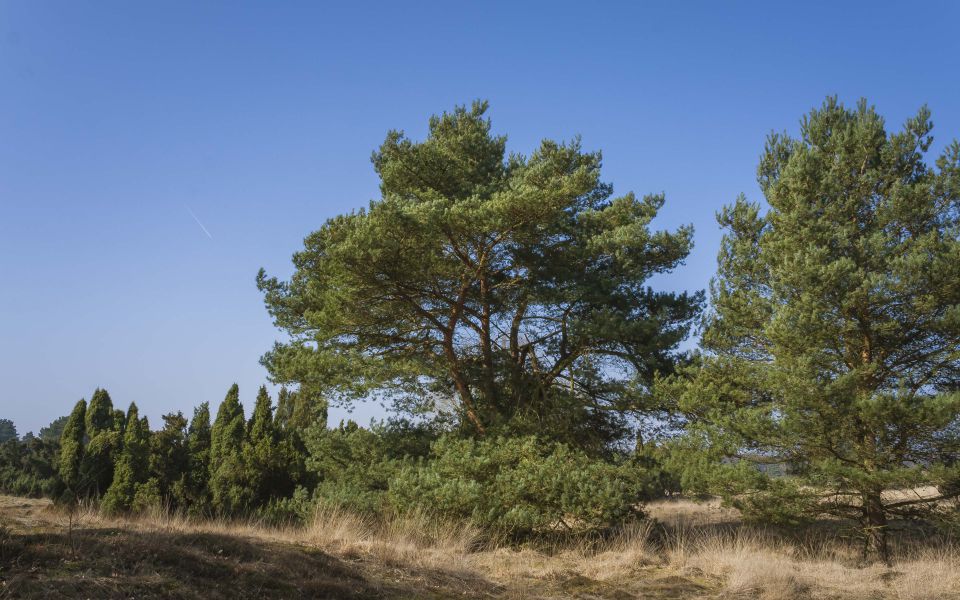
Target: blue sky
pixel 119 118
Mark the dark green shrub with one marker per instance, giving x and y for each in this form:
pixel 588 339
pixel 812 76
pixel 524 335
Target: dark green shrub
pixel 147 496
pixel 295 510
pixel 351 465
pixel 28 467
pixel 132 466
pixel 229 492
pixel 519 486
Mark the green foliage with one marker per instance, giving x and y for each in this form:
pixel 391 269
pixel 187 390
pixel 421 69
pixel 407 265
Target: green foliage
pixel 834 341
pixel 133 465
pixel 104 439
pixel 54 430
pixel 352 466
pixel 261 426
pixel 664 479
pixel 71 451
pixel 148 496
pixel 170 461
pixel 229 494
pixel 299 410
pixel 518 486
pixel 28 467
pixel 196 493
pixel 99 459
pixel 295 509
pixel 119 420
pixel 401 438
pixel 257 470
pixel 229 428
pixel 99 415
pixel 513 286
pixel 8 431
pixel 271 462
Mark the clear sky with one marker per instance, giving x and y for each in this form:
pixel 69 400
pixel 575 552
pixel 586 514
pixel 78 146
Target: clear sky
pixel 117 119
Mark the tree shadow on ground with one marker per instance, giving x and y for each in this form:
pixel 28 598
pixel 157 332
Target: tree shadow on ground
pixel 119 563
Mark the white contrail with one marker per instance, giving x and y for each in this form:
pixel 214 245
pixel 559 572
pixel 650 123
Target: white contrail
pixel 199 223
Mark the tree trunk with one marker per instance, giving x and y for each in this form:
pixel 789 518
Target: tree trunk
pixel 466 399
pixel 463 388
pixel 874 523
pixel 486 344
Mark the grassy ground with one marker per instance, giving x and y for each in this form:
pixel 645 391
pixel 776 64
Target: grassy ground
pixel 690 551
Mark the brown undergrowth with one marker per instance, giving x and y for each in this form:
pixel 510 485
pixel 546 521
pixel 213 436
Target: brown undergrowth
pixel 686 550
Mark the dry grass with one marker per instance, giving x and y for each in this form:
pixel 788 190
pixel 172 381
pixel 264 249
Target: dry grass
pixel 690 550
pixel 703 549
pixel 752 564
pixel 707 539
pixel 412 540
pixel 409 546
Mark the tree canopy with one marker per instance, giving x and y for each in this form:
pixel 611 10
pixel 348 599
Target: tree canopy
pixel 834 340
pixel 512 288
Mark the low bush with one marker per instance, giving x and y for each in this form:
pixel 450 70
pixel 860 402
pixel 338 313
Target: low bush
pixel 519 486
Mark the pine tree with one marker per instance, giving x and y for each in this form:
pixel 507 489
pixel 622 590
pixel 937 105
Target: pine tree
pixel 197 492
pixel 834 343
pixel 132 468
pixel 514 287
pixel 71 451
pixel 103 441
pixel 227 474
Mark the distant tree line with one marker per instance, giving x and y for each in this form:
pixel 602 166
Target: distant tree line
pixel 231 467
pixel 502 305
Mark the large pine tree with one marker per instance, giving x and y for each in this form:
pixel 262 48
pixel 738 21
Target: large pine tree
pixel 834 341
pixel 513 288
